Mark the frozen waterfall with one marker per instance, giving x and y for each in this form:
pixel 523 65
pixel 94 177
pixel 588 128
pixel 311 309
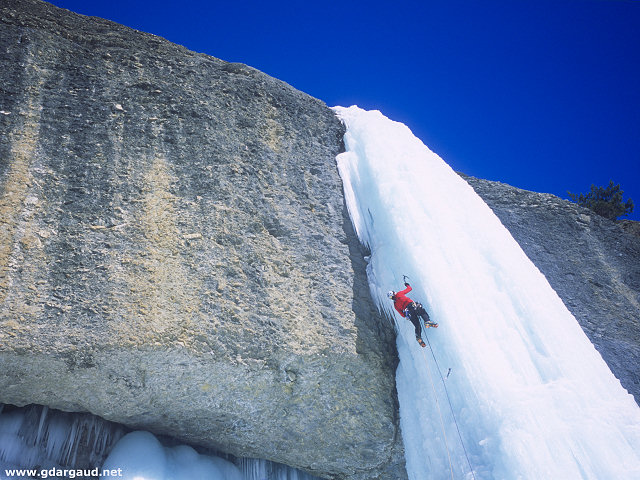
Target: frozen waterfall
pixel 514 389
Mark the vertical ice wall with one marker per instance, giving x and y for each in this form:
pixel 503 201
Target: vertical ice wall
pixel 527 396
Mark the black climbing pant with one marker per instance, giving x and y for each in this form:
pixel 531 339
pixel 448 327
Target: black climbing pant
pixel 414 312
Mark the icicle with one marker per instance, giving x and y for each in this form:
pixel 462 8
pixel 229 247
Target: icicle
pixel 43 417
pixel 36 436
pixel 258 469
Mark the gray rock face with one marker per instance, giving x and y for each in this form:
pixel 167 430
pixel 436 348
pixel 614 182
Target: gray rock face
pixel 175 253
pixel 591 262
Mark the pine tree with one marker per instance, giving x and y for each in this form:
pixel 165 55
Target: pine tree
pixel 606 202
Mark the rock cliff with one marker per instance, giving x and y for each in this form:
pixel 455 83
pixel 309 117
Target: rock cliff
pixel 591 262
pixel 175 253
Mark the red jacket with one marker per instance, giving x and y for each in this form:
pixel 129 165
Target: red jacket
pixel 401 301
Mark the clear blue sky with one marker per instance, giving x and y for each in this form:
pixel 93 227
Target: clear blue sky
pixel 542 94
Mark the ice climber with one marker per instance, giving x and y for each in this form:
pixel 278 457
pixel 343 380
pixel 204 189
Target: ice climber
pixel 411 310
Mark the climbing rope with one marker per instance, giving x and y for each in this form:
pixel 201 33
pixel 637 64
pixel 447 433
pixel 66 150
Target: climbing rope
pixel 435 396
pixel 444 433
pixel 446 391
